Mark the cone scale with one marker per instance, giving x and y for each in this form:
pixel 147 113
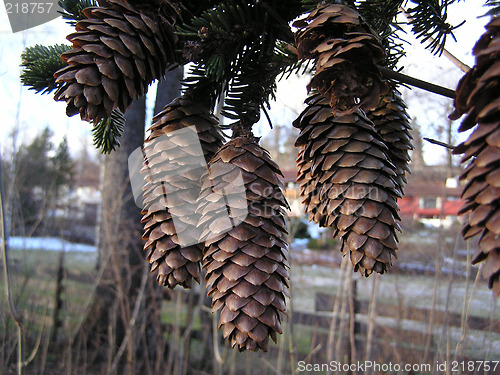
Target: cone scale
pixel 173 171
pixel 117 52
pixel 246 265
pixel 346 51
pixel 348 183
pixel 392 123
pixel 478 98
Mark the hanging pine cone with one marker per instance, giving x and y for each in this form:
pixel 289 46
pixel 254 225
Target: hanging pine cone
pixel 117 52
pixel 478 97
pixel 347 182
pixel 174 164
pixel 347 52
pixel 246 265
pixel 392 123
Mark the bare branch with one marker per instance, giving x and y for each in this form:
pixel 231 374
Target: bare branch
pixel 403 78
pixel 439 143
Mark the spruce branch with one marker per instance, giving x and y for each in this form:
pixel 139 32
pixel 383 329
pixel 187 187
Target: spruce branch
pixel 234 48
pixel 381 15
pixel 73 9
pixel 39 65
pixel 428 21
pixel 495 8
pixel 286 56
pixel 462 66
pixel 107 132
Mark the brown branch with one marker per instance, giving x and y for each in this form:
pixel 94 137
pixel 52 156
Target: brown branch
pixel 403 78
pixel 439 143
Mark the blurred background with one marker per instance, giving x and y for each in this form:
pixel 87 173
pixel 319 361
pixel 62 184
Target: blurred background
pixel 432 305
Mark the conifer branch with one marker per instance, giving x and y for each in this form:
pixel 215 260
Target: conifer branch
pixel 495 11
pixel 461 65
pixel 73 9
pixel 107 132
pixel 427 86
pixel 39 65
pixel 428 21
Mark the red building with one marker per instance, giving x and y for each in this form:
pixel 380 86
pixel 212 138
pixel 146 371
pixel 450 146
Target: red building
pixel 430 196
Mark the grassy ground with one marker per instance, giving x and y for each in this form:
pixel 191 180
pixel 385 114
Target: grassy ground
pixel 33 284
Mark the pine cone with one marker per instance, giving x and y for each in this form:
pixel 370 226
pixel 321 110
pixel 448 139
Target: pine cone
pixel 347 182
pixel 174 164
pixel 117 52
pixel 478 97
pixel 392 123
pixel 247 264
pixel 347 52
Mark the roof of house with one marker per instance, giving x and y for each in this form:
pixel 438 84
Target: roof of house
pixel 429 181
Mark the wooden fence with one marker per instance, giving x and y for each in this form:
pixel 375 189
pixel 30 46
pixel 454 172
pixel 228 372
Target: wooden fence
pixel 412 342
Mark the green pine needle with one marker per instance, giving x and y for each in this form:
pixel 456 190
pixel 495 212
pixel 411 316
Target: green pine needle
pixel 381 15
pixel 428 20
pixel 39 65
pixel 107 132
pixel 73 9
pixel 495 8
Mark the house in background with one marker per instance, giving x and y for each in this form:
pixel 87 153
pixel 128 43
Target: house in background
pixel 429 197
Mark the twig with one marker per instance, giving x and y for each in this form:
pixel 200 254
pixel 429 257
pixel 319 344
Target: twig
pixel 215 341
pixel 269 365
pixel 352 290
pixel 335 314
pixel 439 143
pixel 16 316
pixel 464 326
pixel 462 66
pixel 38 338
pixel 403 78
pixel 343 312
pixel 291 344
pixel 132 321
pixel 371 319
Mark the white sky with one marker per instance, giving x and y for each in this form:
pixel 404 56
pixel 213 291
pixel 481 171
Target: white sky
pixel 32 112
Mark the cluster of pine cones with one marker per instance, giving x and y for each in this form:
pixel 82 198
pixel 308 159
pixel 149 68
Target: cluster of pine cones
pixel 237 230
pixel 354 153
pixel 354 138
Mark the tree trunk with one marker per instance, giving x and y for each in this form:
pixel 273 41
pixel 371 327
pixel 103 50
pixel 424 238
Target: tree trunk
pixel 111 333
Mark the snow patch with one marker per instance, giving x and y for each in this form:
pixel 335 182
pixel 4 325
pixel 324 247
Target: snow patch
pixel 47 243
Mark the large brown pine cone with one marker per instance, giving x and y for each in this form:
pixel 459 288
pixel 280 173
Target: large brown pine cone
pixel 347 52
pixel 174 164
pixel 392 122
pixel 478 95
pixel 347 182
pixel 117 52
pixel 246 263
